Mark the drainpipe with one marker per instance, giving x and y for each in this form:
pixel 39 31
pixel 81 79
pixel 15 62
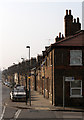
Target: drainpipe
pixel 44 81
pixel 52 77
pixel 35 81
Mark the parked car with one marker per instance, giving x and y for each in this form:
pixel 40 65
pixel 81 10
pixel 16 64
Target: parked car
pixel 8 84
pixel 17 85
pixel 11 85
pixel 18 94
pixel 5 83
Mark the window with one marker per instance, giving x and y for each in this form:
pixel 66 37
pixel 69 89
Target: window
pixel 75 57
pixel 76 88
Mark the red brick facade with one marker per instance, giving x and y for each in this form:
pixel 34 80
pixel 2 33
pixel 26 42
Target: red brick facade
pixel 58 64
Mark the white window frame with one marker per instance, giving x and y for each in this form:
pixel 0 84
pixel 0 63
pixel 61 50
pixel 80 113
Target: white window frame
pixel 75 64
pixel 71 88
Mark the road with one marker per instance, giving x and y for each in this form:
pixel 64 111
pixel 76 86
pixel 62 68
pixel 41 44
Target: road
pixel 5 93
pixel 19 111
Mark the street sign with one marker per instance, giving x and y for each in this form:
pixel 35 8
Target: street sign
pixel 69 78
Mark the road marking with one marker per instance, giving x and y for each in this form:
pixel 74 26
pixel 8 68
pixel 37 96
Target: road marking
pixel 17 114
pixel 3 113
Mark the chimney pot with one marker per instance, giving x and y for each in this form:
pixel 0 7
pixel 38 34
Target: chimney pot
pixel 74 20
pixel 77 20
pixel 56 39
pixel 66 12
pixel 62 36
pixel 69 12
pixel 59 34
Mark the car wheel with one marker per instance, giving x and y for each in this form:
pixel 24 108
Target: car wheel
pixel 10 97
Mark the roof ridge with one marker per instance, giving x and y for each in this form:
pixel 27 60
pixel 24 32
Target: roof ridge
pixel 72 36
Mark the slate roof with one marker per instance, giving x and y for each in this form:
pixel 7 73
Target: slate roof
pixel 75 40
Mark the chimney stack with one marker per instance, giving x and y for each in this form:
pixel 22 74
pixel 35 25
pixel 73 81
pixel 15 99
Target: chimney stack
pixel 59 38
pixel 71 25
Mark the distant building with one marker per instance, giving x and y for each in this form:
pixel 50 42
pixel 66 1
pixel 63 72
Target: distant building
pixel 0 75
pixel 16 73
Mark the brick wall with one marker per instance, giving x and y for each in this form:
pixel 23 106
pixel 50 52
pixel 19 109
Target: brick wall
pixel 62 68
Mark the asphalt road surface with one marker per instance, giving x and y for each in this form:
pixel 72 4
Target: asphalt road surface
pixel 5 93
pixel 15 111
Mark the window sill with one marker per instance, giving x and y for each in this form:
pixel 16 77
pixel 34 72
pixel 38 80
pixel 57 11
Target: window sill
pixel 76 96
pixel 76 64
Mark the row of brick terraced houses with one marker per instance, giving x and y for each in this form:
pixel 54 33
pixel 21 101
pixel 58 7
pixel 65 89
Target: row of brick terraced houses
pixel 59 72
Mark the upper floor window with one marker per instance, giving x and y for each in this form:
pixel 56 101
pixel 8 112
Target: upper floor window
pixel 75 57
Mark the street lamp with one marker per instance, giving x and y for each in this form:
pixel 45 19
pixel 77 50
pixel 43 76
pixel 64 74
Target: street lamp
pixel 25 81
pixel 29 77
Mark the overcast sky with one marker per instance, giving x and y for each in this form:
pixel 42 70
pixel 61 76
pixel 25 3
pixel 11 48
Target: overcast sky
pixel 25 23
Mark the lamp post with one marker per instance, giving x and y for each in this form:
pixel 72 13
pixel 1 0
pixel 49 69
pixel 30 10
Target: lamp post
pixel 29 77
pixel 25 80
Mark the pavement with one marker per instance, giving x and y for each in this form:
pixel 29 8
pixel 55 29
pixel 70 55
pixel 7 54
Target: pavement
pixel 38 102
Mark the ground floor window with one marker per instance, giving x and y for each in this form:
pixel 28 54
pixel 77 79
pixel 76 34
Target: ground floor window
pixel 76 88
